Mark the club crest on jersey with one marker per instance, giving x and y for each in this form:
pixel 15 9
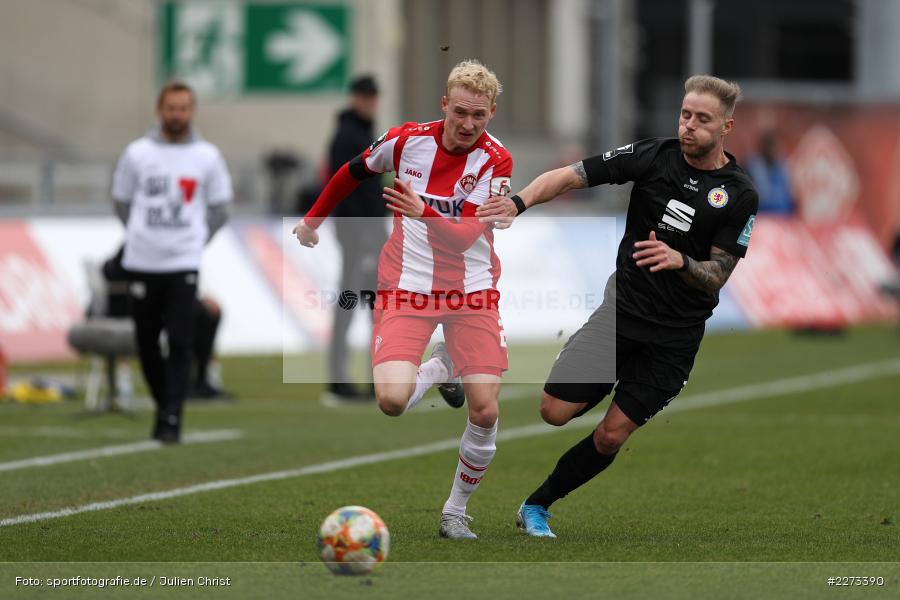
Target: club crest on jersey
pixel 717 197
pixel 467 183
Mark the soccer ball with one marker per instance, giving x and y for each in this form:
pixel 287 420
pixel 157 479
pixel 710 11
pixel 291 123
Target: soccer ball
pixel 353 540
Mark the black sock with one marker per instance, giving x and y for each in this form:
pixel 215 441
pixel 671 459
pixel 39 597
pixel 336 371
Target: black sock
pixel 205 326
pixel 577 466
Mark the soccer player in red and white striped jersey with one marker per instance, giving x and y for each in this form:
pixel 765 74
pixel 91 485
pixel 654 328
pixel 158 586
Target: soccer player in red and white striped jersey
pixel 438 267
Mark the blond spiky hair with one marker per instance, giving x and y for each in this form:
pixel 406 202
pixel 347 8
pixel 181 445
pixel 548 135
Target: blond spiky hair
pixel 475 77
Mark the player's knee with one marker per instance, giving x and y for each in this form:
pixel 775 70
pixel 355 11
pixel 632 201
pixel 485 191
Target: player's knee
pixel 392 400
pixel 609 440
pixel 553 417
pixel 484 416
pixel 391 406
pixel 550 411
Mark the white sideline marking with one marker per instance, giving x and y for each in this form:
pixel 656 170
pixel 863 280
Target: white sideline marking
pixel 778 387
pixel 197 437
pixel 51 431
pixel 803 383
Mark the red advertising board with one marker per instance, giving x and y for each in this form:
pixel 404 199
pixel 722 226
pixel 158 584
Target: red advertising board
pixel 37 303
pixel 798 274
pixel 843 160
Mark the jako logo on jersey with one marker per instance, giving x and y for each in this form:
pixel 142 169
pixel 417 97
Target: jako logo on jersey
pixel 679 215
pixel 187 186
pixel 467 183
pixel 378 341
pixel 500 186
pixel 717 197
pixel 414 173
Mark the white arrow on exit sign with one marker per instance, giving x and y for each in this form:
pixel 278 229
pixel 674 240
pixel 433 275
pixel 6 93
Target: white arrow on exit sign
pixel 310 45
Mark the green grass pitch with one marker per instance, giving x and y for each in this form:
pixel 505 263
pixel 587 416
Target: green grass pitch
pixel 763 496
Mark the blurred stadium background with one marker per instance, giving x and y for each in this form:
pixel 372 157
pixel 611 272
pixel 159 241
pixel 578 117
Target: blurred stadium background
pixel 80 77
pixel 78 80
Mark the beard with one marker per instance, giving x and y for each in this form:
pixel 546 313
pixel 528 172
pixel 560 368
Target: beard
pixel 697 150
pixel 175 128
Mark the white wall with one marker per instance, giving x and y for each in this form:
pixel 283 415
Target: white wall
pixel 85 71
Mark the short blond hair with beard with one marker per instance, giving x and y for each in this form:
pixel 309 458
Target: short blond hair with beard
pixel 475 77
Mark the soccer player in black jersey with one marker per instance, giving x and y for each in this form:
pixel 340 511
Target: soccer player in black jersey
pixel 689 221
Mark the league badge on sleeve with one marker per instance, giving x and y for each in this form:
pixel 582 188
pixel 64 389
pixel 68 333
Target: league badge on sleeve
pixel 744 238
pixel 500 186
pixel 378 142
pixel 717 197
pixel 626 149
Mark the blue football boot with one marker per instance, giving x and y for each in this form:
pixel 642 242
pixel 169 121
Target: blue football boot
pixel 532 519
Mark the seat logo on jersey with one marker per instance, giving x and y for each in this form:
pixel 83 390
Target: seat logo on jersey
pixel 717 197
pixel 468 181
pixel 678 215
pixel 500 186
pixel 627 149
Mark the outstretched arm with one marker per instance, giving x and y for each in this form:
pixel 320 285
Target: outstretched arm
pixel 545 187
pixel 551 184
pixel 338 187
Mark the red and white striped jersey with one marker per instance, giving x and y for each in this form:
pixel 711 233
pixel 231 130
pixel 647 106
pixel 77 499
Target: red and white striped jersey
pixel 417 257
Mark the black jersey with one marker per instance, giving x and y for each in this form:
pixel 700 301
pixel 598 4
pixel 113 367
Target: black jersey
pixel 689 209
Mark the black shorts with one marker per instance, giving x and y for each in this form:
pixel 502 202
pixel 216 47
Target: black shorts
pixel 650 362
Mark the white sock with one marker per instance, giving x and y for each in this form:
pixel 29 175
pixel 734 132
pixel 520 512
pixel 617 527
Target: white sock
pixel 476 449
pixel 430 372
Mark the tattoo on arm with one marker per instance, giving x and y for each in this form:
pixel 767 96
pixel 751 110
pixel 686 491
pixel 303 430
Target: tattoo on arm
pixel 551 184
pixel 580 172
pixel 710 275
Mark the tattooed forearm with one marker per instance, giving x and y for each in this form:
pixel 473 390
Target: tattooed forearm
pixel 551 184
pixel 580 172
pixel 710 275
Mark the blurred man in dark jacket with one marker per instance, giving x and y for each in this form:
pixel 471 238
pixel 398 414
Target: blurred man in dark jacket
pixel 361 230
